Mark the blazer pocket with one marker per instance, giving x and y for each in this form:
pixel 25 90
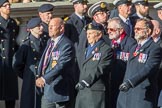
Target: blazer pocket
pixel 98 87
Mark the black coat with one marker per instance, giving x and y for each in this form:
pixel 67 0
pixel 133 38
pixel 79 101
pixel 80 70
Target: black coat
pixel 142 70
pixel 8 79
pixel 25 63
pixel 119 67
pixel 74 26
pixel 95 71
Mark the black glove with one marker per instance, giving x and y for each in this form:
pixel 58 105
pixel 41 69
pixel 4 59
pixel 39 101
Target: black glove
pixel 80 85
pixel 125 86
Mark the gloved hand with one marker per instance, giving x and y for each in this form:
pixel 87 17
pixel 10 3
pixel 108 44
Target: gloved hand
pixel 80 85
pixel 125 86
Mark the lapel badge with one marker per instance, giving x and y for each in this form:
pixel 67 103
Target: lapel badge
pixel 54 62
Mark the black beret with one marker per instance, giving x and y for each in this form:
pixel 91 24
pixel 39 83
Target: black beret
pixel 158 6
pixel 120 2
pixel 80 1
pixel 33 23
pixel 45 8
pixel 99 6
pixel 142 2
pixel 92 26
pixel 2 2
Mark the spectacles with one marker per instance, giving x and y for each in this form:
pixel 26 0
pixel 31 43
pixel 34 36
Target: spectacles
pixel 113 29
pixel 139 29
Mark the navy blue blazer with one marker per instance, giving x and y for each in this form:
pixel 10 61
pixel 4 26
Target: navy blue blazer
pixel 59 72
pixel 142 70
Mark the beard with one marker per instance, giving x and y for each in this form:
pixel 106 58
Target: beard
pixel 140 37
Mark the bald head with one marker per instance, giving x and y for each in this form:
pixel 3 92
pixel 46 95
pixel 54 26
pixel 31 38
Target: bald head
pixel 56 27
pixel 156 29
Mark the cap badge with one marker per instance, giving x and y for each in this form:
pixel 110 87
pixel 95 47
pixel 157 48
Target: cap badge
pixel 103 5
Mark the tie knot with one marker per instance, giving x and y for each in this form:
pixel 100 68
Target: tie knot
pixel 138 47
pixel 52 42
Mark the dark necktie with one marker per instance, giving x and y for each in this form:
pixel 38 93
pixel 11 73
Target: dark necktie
pixel 138 47
pixel 47 55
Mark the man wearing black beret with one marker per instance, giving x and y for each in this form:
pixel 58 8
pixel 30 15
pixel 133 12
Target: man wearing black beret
pixel 95 68
pixel 45 12
pixel 8 34
pixel 26 62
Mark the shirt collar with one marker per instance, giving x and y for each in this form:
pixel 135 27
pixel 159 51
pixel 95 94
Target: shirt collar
pixel 143 42
pixel 56 40
pixel 81 17
pixel 139 15
pixel 123 19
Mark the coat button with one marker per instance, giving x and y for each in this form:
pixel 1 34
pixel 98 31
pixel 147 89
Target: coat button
pixel 35 58
pixel 2 40
pixel 4 57
pixel 36 67
pixel 13 48
pixel 33 50
pixel 3 49
pixel 13 39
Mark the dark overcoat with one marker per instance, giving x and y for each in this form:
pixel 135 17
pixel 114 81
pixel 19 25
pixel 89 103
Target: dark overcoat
pixel 142 72
pixel 25 63
pixel 95 71
pixel 74 26
pixel 119 67
pixel 8 78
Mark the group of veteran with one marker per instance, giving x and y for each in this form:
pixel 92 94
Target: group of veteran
pixel 95 58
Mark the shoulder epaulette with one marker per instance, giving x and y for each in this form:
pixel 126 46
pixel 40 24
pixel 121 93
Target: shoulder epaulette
pixel 66 19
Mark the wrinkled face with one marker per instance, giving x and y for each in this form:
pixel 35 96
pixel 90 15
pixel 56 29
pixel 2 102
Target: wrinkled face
pixel 141 31
pixel 80 8
pixel 113 30
pixel 125 9
pixel 159 14
pixel 93 36
pixel 55 28
pixel 46 16
pixel 38 30
pixel 143 10
pixel 5 8
pixel 100 17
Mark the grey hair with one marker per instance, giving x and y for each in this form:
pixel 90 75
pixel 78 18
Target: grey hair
pixel 117 20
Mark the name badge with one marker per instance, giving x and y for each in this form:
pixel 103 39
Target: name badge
pixel 96 56
pixel 142 58
pixel 55 55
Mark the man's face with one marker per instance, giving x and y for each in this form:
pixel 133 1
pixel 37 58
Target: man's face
pixel 38 30
pixel 113 30
pixel 93 36
pixel 143 10
pixel 5 8
pixel 55 28
pixel 46 16
pixel 125 10
pixel 80 8
pixel 159 14
pixel 100 17
pixel 141 31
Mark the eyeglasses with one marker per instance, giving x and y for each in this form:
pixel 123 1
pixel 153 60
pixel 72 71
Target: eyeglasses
pixel 113 29
pixel 139 29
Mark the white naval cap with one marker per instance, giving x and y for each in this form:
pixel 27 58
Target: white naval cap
pixel 158 6
pixel 142 2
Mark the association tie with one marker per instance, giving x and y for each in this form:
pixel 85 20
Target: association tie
pixel 138 47
pixel 47 55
